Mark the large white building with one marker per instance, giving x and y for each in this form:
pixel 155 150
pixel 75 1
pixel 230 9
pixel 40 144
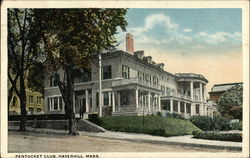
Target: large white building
pixel 132 84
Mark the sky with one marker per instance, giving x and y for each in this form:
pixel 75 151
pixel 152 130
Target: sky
pixel 202 41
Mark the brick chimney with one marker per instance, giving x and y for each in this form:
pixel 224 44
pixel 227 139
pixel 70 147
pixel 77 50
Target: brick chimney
pixel 129 43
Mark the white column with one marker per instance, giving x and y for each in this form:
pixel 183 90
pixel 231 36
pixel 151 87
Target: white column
pixel 171 106
pixel 119 100
pixel 87 100
pixel 193 109
pixel 149 102
pixel 113 101
pixel 201 109
pixel 159 102
pixel 137 98
pixel 192 90
pixel 100 84
pixel 201 94
pixel 74 102
pixel 109 98
pixel 185 108
pixel 205 110
pixel 205 94
pixel 179 107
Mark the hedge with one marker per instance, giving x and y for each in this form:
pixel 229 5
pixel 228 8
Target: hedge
pixel 207 123
pixel 235 137
pixel 154 125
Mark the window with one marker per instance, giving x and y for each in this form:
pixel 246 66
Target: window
pixel 97 99
pixel 105 98
pixel 155 80
pixel 31 109
pixel 140 75
pixel 38 109
pixel 162 90
pixel 54 80
pixel 39 100
pixel 125 72
pixel 168 90
pixel 30 99
pixel 85 76
pixel 197 108
pixel 55 103
pixel 107 72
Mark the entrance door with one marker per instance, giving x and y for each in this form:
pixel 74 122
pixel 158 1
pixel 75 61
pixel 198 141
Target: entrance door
pixel 82 103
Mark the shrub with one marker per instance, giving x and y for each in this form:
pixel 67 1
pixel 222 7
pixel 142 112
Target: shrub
pixel 207 123
pixel 203 122
pixel 236 137
pixel 154 125
pixel 236 126
pixel 174 115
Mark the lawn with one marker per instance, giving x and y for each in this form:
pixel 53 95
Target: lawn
pixel 154 125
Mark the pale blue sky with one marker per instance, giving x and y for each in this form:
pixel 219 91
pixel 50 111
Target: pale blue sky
pixel 202 41
pixel 188 31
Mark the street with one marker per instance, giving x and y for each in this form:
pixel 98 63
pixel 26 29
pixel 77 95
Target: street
pixel 42 142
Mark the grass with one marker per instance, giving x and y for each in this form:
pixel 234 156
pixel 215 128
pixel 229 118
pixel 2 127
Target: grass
pixel 154 125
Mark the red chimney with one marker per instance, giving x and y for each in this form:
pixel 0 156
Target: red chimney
pixel 129 43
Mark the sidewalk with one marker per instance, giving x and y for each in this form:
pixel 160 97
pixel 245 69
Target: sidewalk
pixel 186 140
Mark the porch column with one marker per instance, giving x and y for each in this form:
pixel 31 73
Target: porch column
pixel 171 106
pixel 113 101
pixel 179 107
pixel 205 110
pixel 74 102
pixel 159 102
pixel 137 98
pixel 149 102
pixel 185 108
pixel 119 100
pixel 192 90
pixel 205 94
pixel 201 94
pixel 87 100
pixel 193 110
pixel 109 98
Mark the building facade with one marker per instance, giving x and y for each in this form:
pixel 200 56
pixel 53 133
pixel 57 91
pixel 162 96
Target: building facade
pixel 34 102
pixel 132 84
pixel 219 89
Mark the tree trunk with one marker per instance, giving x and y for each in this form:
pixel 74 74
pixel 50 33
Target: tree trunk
pixel 22 104
pixel 67 91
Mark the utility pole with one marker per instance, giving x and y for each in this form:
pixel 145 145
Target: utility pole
pixel 100 84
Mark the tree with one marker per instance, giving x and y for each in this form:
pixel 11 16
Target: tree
pixel 23 44
pixel 71 37
pixel 230 103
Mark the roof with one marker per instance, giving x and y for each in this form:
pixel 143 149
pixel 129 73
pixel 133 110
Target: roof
pixel 223 87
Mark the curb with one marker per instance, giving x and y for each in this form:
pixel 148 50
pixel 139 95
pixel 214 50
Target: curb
pixel 235 148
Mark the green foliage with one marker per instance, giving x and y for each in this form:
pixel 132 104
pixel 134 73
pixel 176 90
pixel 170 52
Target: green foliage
pixel 236 137
pixel 236 125
pixel 230 103
pixel 72 36
pixel 154 125
pixel 36 77
pixel 174 115
pixel 206 123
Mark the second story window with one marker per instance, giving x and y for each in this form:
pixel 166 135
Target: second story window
pixel 107 73
pixel 162 90
pixel 85 76
pixel 39 100
pixel 125 72
pixel 54 80
pixel 30 99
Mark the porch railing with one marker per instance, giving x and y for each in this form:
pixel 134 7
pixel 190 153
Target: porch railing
pixel 135 80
